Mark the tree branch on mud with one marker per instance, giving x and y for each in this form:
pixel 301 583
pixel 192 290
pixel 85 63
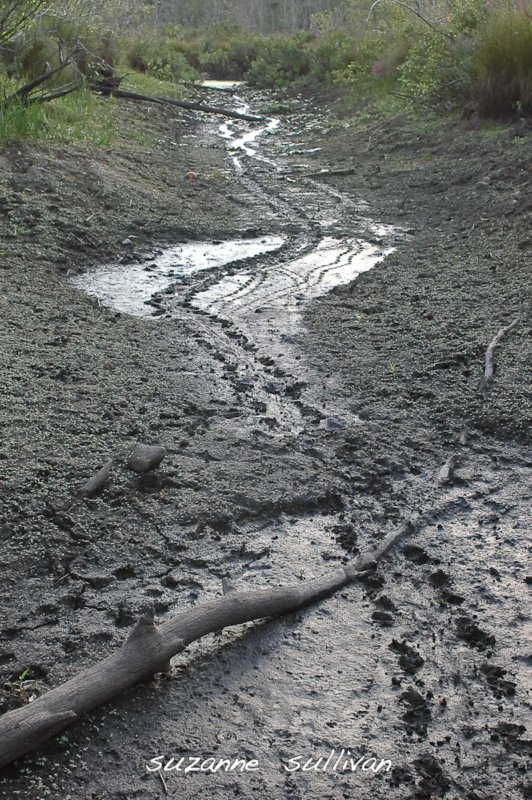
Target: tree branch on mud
pixel 489 369
pixel 109 85
pixel 184 104
pixel 149 649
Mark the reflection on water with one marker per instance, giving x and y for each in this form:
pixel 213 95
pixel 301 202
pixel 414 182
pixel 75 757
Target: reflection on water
pixel 129 287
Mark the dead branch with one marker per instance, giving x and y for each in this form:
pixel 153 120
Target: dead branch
pixel 68 88
pixel 183 104
pixel 489 369
pixel 23 92
pixel 149 649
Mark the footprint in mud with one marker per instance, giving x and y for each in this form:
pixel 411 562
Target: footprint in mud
pixel 441 581
pixel 373 581
pixel 417 715
pixel 434 782
pixel 415 554
pixel 383 613
pixel 511 736
pixel 409 659
pixel 499 685
pixel 468 631
pixel 439 578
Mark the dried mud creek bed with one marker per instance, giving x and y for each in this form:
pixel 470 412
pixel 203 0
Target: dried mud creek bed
pixel 309 368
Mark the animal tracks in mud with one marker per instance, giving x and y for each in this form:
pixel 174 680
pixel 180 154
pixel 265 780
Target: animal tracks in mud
pixel 416 652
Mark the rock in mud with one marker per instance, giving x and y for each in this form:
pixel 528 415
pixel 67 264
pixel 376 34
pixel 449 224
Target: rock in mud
pixel 145 457
pixel 96 482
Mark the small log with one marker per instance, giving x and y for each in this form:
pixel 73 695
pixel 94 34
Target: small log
pixel 489 369
pixel 61 92
pixel 149 648
pixel 182 104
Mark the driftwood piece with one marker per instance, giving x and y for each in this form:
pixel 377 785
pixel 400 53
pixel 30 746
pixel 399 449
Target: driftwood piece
pixel 149 649
pixel 185 104
pixel 489 368
pixel 62 91
pixel 96 482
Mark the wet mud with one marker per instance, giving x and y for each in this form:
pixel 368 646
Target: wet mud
pixel 309 364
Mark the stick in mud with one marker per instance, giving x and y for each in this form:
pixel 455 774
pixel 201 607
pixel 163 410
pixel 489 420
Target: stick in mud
pixel 489 369
pixel 149 649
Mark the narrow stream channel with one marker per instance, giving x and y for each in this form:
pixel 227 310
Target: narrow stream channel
pixel 327 679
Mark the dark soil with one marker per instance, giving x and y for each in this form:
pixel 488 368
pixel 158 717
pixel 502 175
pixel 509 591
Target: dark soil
pixel 427 662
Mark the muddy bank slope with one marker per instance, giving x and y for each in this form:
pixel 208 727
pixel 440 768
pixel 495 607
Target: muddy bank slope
pixel 410 338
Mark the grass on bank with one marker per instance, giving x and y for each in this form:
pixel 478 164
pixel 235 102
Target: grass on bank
pixel 80 117
pixel 477 58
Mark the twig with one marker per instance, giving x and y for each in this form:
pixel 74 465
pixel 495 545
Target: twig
pixel 324 173
pixel 165 787
pixel 489 369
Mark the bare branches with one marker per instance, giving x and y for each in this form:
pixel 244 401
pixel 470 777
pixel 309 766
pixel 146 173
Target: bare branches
pixel 15 15
pixel 417 13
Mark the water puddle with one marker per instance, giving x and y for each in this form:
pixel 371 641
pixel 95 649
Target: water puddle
pixel 242 144
pixel 129 287
pixel 279 290
pixel 223 86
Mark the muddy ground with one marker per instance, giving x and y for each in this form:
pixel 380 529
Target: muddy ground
pixel 372 387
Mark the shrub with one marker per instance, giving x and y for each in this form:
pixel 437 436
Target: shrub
pixel 282 60
pixel 503 63
pixel 161 59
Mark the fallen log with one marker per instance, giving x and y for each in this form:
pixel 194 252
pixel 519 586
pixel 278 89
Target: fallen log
pixel 61 92
pixel 489 369
pixel 122 93
pixel 23 93
pixel 149 649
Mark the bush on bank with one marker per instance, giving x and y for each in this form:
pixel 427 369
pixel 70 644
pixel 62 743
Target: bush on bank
pixel 473 53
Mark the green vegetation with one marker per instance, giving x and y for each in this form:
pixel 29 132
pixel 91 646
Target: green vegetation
pixel 474 54
pixel 79 117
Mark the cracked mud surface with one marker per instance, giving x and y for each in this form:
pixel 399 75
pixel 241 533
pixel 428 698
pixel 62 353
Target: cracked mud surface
pixel 298 431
